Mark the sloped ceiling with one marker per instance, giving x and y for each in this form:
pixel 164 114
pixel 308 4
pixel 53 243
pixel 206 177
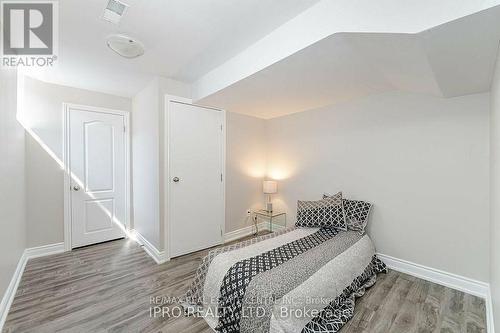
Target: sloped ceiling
pixel 453 59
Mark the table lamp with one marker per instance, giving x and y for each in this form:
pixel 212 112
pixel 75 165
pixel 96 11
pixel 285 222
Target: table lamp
pixel 269 187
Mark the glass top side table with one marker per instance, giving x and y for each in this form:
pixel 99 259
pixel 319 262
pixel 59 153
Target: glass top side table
pixel 270 216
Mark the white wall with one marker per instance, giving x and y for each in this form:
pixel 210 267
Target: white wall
pixel 495 193
pixel 422 161
pixel 147 156
pixel 44 197
pixel 245 168
pixel 42 116
pixel 12 181
pixel 145 163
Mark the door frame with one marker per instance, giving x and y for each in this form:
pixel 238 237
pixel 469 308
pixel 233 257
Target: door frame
pixel 166 170
pixel 66 108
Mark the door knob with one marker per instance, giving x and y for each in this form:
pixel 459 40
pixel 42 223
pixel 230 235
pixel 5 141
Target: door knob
pixel 176 179
pixel 76 188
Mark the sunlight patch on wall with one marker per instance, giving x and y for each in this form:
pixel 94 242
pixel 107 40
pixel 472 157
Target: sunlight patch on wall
pixel 43 145
pixel 31 119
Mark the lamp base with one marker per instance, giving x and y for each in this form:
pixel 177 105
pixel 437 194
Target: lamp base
pixel 269 207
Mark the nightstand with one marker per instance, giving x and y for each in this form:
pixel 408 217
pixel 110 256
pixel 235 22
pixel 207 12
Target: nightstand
pixel 270 216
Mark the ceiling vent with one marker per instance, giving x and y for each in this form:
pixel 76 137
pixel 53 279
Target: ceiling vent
pixel 114 11
pixel 125 46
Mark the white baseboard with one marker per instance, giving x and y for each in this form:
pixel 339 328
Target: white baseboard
pixel 45 250
pixel 457 282
pixel 249 230
pixel 240 233
pixel 30 253
pixel 470 286
pixel 489 314
pixel 158 256
pixel 8 297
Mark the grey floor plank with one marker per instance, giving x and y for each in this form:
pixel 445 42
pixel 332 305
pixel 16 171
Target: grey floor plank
pixel 406 318
pixel 107 288
pixel 382 321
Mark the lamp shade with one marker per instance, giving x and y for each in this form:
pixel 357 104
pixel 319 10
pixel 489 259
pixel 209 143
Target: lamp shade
pixel 270 186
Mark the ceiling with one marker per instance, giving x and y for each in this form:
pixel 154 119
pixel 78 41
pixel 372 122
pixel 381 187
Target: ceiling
pixel 453 59
pixel 184 39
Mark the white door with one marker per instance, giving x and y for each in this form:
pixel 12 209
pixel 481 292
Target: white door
pixel 98 176
pixel 196 200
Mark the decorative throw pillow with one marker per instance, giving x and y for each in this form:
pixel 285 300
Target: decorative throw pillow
pixel 328 212
pixel 356 212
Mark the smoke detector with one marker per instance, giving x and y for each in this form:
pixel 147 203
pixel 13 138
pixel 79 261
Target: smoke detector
pixel 125 46
pixel 114 11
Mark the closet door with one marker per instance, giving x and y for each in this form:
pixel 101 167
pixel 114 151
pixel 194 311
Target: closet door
pixel 97 161
pixel 195 209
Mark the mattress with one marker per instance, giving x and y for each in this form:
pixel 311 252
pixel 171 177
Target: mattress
pixel 294 280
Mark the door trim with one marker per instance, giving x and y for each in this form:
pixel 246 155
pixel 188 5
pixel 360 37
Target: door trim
pixel 167 175
pixel 66 109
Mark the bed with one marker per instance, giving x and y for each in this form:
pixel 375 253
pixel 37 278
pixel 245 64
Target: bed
pixel 294 280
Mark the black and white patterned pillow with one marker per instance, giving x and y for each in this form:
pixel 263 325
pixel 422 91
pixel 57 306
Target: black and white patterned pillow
pixel 356 212
pixel 328 212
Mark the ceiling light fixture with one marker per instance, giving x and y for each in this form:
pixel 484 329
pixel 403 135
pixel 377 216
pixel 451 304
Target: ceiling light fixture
pixel 125 46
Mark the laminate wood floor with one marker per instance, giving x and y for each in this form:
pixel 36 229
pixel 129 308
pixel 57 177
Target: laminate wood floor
pixel 108 288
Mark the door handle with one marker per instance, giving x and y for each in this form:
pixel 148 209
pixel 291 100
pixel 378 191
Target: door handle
pixel 76 188
pixel 176 179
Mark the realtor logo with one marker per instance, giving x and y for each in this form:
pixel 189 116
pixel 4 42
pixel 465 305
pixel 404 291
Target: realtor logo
pixel 29 28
